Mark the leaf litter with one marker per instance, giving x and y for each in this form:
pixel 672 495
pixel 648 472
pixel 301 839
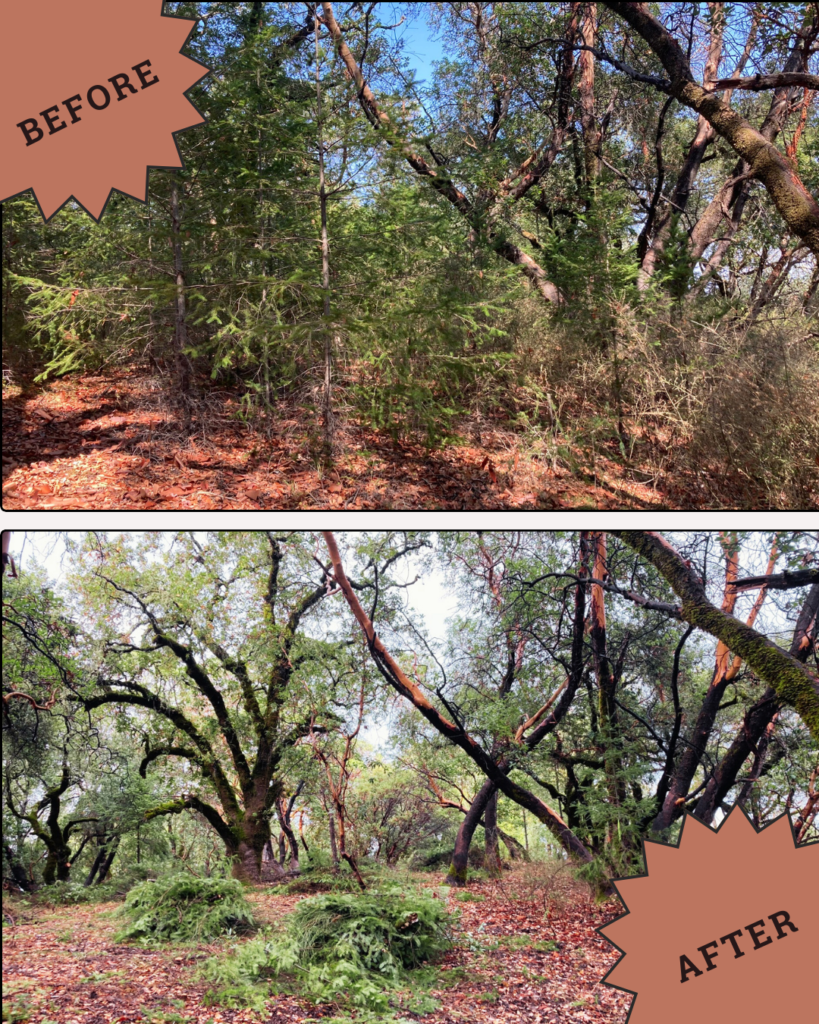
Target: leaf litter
pixel 514 961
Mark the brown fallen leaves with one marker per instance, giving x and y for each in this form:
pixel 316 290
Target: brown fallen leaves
pixel 109 443
pixel 61 966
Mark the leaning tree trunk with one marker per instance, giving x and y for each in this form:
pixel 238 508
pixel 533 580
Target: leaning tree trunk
pixel 459 865
pixel 109 860
pixel 98 861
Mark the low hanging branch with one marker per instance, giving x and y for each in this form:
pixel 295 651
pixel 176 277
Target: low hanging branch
pixel 395 676
pixel 779 581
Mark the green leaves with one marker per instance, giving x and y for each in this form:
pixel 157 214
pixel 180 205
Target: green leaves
pixel 348 948
pixel 182 908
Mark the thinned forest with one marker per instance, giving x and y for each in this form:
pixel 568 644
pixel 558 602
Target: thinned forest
pixel 441 256
pixel 384 775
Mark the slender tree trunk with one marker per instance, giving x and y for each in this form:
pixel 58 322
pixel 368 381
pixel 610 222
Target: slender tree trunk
pixel 333 841
pixel 98 861
pixel 591 133
pixel 491 857
pixel 327 394
pixel 608 724
pixel 284 813
pixel 105 867
pixel 703 136
pixel 181 363
pixel 775 280
pixel 812 287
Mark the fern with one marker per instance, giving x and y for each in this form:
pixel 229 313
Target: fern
pixel 181 908
pixel 350 949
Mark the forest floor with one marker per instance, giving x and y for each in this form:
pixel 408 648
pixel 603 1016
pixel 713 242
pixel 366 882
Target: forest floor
pixel 512 963
pixel 109 442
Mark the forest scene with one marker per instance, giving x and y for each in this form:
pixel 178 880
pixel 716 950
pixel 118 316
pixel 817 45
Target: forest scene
pixel 257 777
pixel 440 256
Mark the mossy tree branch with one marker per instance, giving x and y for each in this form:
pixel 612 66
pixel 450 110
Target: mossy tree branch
pixel 795 684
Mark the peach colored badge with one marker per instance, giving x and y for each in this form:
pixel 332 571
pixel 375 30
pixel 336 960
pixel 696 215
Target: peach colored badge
pixel 91 92
pixel 724 927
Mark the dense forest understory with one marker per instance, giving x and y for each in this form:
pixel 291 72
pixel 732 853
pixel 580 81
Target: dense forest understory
pixel 452 255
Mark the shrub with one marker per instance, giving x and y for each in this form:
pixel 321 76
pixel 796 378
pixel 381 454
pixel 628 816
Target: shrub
pixel 181 908
pixel 340 948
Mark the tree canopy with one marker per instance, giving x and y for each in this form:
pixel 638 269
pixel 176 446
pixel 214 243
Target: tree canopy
pixel 284 697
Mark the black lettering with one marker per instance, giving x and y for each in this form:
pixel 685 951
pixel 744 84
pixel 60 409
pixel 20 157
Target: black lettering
pixel 90 93
pixel 737 951
pixel 708 957
pixel 72 109
pixel 29 132
pixel 786 923
pixel 752 929
pixel 51 121
pixel 120 82
pixel 691 968
pixel 143 75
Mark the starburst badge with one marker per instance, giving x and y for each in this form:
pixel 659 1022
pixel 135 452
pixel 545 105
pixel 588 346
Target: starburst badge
pixel 91 93
pixel 723 927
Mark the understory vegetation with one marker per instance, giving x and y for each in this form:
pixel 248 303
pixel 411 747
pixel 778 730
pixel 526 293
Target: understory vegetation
pixel 347 948
pixel 182 908
pixel 477 229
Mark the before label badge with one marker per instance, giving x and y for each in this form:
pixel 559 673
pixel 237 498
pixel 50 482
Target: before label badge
pixel 92 93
